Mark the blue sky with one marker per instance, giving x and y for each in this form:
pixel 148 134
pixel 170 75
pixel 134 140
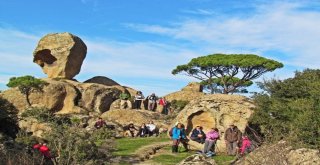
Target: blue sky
pixel 138 42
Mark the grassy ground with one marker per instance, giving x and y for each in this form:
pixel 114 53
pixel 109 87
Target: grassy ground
pixel 223 159
pixel 167 158
pixel 127 146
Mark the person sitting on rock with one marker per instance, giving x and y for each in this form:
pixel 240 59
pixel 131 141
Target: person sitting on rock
pixel 100 123
pixel 143 131
pixel 152 101
pixel 198 135
pixel 211 139
pixel 152 128
pixel 138 99
pixel 130 129
pixel 124 100
pixel 232 138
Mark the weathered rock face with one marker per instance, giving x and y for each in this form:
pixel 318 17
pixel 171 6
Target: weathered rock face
pixel 194 87
pixel 281 153
pixel 218 111
pixel 190 92
pixel 66 97
pixel 32 125
pixel 197 160
pixel 60 55
pixel 123 117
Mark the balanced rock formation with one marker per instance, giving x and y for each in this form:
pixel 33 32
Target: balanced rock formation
pixel 217 110
pixel 66 97
pixel 281 153
pixel 190 92
pixel 60 55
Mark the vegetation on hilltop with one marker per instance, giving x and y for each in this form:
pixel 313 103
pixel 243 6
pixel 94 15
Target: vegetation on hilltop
pixel 290 110
pixel 227 72
pixel 26 84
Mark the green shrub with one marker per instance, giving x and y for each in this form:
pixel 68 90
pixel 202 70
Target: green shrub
pixel 41 114
pixel 178 104
pixel 290 110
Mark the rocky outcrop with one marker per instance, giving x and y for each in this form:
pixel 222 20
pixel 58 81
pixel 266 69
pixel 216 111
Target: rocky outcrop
pixel 217 110
pixel 194 87
pixel 102 80
pixel 197 160
pixel 124 117
pixel 281 153
pixel 190 92
pixel 32 125
pixel 66 97
pixel 60 55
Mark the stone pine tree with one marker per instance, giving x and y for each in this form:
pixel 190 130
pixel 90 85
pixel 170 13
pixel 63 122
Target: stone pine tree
pixel 26 84
pixel 227 71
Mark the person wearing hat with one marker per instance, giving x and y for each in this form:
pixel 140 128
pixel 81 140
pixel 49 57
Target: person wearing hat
pixel 178 135
pixel 232 138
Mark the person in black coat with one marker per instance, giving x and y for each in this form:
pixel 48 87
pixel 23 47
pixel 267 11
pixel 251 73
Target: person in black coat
pixel 198 135
pixel 143 131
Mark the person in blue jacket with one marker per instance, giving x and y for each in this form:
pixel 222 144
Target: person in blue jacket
pixel 179 135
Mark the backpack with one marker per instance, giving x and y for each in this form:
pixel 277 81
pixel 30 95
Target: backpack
pixel 170 132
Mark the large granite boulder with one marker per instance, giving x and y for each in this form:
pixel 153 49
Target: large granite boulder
pixel 60 55
pixel 102 80
pixel 137 117
pixel 217 110
pixel 281 153
pixel 190 92
pixel 66 97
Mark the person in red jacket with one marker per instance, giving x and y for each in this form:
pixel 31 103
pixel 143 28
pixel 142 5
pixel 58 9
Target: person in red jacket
pixel 45 151
pixel 245 146
pixel 37 146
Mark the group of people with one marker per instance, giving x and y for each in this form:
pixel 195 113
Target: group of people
pixel 235 141
pixel 145 130
pixel 150 102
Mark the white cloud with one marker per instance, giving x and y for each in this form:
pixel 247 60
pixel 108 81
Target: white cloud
pixel 284 27
pixel 199 12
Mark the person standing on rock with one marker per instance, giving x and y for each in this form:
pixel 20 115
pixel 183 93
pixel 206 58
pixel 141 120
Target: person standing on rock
pixel 232 138
pixel 138 99
pixel 152 101
pixel 124 100
pixel 163 102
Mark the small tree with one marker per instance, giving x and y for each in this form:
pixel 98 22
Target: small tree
pixel 26 84
pixel 228 71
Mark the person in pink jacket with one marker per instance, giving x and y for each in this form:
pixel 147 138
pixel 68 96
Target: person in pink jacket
pixel 211 138
pixel 245 146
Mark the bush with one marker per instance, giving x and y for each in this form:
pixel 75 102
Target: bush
pixel 178 104
pixel 290 110
pixel 8 118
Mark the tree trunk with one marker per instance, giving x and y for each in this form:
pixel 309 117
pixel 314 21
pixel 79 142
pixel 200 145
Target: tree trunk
pixel 27 98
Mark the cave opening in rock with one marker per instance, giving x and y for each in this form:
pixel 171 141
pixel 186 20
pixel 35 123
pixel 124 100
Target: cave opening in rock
pixel 43 57
pixel 202 118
